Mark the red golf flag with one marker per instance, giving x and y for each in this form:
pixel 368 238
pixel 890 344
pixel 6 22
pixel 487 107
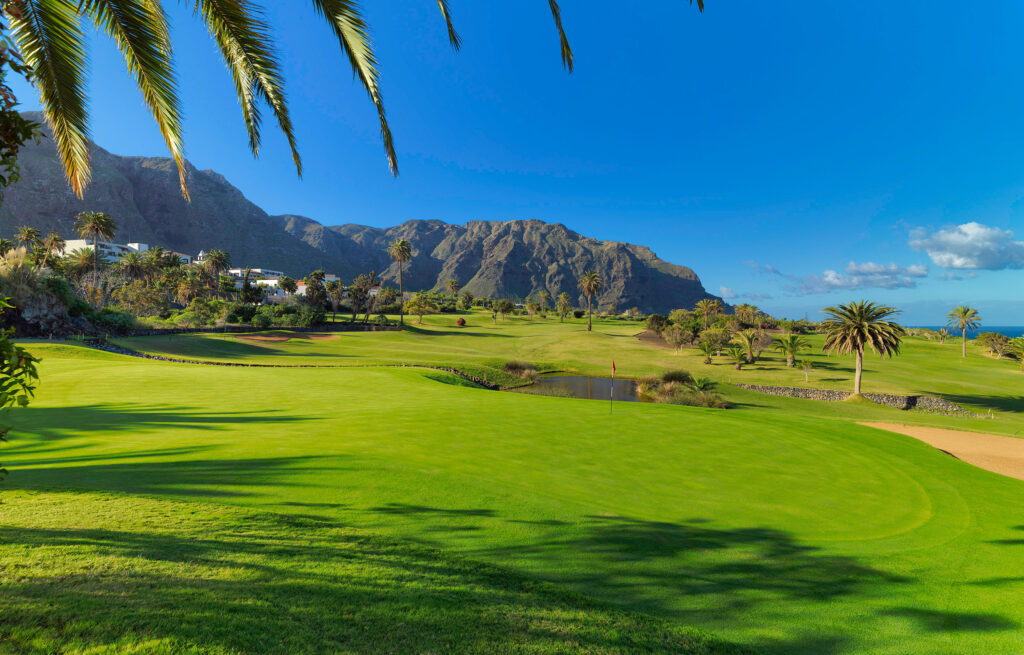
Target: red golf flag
pixel 613 368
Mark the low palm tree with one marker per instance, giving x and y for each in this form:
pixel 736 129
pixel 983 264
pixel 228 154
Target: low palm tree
pixel 452 286
pixel 738 355
pixel 856 326
pixel 750 341
pixel 707 308
pixel 563 305
pixel 79 261
pixel 791 345
pixel 943 335
pixel 400 250
pixel 590 283
pixel 708 348
pixel 133 266
pixel 963 318
pixel 95 226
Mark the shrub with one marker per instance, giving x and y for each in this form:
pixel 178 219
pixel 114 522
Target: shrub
pixel 113 320
pixel 698 399
pixel 647 384
pixel 676 376
pixel 310 317
pixel 239 313
pixel 702 384
pixel 262 320
pixel 656 323
pixel 75 304
pixel 461 322
pixel 516 367
pixel 579 313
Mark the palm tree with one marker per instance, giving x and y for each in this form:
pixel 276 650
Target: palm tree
pixel 708 348
pixel 51 39
pixel 746 313
pixel 738 355
pixel 543 298
pixel 80 260
pixel 27 237
pixel 791 345
pixel 943 335
pixel 133 266
pixel 216 262
pixel 95 226
pixel 707 308
pixel 54 244
pixel 963 318
pixel 335 292
pixel 564 306
pixel 590 283
pixel 400 250
pixel 452 286
pixel 853 327
pixel 749 340
pixel 190 286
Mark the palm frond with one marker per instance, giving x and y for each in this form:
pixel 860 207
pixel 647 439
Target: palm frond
pixel 140 31
pixel 556 13
pixel 244 40
pixel 51 41
pixel 453 36
pixel 350 29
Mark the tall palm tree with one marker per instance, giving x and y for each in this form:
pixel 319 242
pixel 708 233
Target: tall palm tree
pixel 856 326
pixel 791 345
pixel 54 244
pixel 543 297
pixel 590 283
pixel 563 305
pixel 95 226
pixel 746 313
pixel 963 318
pixel 400 250
pixel 80 260
pixel 709 307
pixel 51 39
pixel 216 262
pixel 27 237
pixel 452 286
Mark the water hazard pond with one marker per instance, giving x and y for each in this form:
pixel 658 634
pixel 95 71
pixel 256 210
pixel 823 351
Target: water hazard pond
pixel 581 386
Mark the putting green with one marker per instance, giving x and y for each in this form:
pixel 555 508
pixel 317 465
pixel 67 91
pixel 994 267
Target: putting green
pixel 789 533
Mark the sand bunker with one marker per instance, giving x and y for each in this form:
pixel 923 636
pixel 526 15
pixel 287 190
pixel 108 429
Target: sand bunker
pixel 282 338
pixel 992 452
pixel 322 337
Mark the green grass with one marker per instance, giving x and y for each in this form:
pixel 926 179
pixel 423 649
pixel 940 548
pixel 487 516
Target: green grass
pixel 762 525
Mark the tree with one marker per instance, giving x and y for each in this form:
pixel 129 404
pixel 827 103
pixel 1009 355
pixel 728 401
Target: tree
pixel 749 340
pixel 51 41
pixel 708 348
pixel 400 251
pixel 226 287
pixel 250 294
pixel 590 283
pixel 287 284
pixel 791 345
pixel 335 292
pixel 963 318
pixel 943 335
pixel 543 298
pixel 856 326
pixel 191 285
pixel 747 313
pixel 806 366
pixel 676 336
pixel 532 307
pixel 316 293
pixel 53 246
pixel 452 286
pixel 18 375
pixel 466 300
pixel 5 246
pixel 503 307
pixel 563 305
pixel 387 296
pixel 80 260
pixel 996 344
pixel 708 308
pixel 656 323
pixel 419 305
pixel 95 226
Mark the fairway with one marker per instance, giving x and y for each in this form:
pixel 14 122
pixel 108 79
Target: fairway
pixel 763 526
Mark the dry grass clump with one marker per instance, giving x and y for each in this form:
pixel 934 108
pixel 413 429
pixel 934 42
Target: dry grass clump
pixel 647 384
pixel 524 370
pixel 676 376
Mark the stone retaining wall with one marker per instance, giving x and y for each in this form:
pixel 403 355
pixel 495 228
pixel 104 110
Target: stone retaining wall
pixel 925 403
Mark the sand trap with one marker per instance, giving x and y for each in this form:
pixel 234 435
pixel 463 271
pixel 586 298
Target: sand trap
pixel 992 452
pixel 265 338
pixel 323 337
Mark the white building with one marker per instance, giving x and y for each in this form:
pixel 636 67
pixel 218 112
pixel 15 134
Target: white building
pixel 114 251
pixel 255 273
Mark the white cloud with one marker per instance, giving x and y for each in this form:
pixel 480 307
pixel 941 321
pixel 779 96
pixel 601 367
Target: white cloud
pixel 864 275
pixel 726 293
pixel 970 246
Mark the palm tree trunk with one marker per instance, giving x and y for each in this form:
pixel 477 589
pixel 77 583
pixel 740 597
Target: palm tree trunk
pixel 401 297
pixel 963 345
pixel 857 374
pixel 590 316
pixel 790 360
pixel 95 259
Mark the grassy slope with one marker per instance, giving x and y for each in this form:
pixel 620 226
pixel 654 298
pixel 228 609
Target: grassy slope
pixel 791 533
pixel 979 382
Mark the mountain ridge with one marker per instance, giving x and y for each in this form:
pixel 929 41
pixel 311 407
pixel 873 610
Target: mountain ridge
pixel 513 258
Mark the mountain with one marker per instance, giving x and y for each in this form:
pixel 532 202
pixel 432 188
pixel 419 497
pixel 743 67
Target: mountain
pixel 490 258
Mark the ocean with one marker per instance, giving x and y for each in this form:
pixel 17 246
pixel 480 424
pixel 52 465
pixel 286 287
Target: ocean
pixel 1011 331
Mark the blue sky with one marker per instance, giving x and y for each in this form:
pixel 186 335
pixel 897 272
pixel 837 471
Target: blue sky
pixel 793 154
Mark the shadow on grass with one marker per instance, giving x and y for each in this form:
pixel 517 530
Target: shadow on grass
pixel 944 621
pixel 1014 404
pixel 269 584
pixel 416 329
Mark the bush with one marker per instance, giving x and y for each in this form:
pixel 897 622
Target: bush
pixel 676 376
pixel 647 384
pixel 113 320
pixel 579 313
pixel 310 317
pixel 461 322
pixel 262 320
pixel 698 399
pixel 75 304
pixel 239 313
pixel 524 370
pixel 656 323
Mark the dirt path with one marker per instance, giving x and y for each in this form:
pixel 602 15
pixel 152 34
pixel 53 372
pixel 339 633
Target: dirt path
pixel 992 452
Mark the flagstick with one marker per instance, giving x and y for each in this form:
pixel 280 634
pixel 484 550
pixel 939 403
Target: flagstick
pixel 611 396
